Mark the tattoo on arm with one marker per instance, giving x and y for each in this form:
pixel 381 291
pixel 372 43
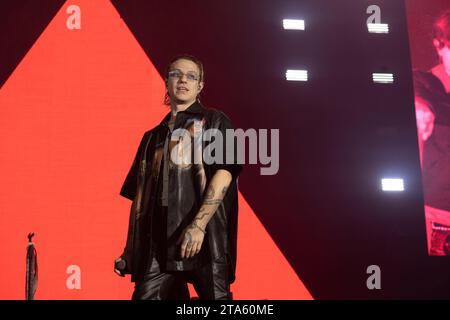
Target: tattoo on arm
pixel 209 193
pixel 188 236
pixel 203 215
pixel 213 201
pixel 209 200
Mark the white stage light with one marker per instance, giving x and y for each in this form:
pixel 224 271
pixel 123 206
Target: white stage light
pixel 297 75
pixel 378 27
pixel 293 24
pixel 392 184
pixel 383 77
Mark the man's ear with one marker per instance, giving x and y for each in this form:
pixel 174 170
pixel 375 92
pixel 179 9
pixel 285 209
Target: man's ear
pixel 200 86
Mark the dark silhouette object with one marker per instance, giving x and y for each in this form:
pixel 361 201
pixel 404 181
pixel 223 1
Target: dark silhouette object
pixel 32 269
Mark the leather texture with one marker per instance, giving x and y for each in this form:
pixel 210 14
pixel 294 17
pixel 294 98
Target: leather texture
pixel 187 183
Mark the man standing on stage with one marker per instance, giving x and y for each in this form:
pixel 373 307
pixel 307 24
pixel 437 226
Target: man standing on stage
pixel 183 219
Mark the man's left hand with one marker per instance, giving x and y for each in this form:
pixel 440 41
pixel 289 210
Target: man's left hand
pixel 191 241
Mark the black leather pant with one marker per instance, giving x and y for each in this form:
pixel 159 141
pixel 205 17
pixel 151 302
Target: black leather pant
pixel 210 282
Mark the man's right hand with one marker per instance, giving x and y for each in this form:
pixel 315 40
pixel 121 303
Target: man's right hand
pixel 120 266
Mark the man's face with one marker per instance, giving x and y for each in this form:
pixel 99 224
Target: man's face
pixel 183 83
pixel 444 53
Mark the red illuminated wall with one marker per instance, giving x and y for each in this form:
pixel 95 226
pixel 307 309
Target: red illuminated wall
pixel 71 117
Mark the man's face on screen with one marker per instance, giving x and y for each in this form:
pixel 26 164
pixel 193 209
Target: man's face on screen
pixel 444 53
pixel 183 81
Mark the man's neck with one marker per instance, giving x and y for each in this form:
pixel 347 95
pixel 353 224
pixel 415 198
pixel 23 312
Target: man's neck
pixel 441 74
pixel 178 107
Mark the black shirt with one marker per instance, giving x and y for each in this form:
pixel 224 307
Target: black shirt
pixel 184 198
pixel 436 150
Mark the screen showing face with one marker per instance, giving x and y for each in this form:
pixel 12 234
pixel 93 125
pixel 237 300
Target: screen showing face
pixel 429 33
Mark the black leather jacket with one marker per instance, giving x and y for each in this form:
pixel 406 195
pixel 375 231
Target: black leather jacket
pixel 186 188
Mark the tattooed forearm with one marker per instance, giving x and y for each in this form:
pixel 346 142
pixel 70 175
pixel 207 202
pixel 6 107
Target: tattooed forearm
pixel 212 199
pixel 209 193
pixel 209 198
pixel 202 213
pixel 200 219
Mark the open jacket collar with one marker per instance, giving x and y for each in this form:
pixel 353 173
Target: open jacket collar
pixel 194 108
